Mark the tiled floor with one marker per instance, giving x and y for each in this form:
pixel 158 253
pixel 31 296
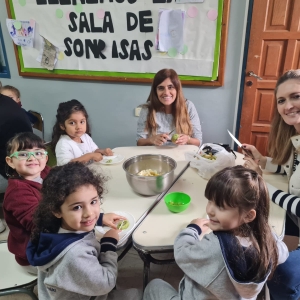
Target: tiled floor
pixel 130 272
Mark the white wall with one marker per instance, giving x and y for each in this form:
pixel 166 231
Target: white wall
pixel 111 105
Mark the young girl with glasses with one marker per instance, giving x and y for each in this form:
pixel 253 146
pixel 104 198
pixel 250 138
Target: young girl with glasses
pixel 71 135
pixel 237 257
pixel 26 168
pixel 26 161
pixel 71 263
pixel 168 112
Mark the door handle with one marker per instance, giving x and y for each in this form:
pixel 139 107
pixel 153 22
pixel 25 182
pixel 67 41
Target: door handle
pixel 251 73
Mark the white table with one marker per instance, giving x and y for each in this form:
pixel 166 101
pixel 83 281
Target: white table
pixel 120 196
pixel 158 231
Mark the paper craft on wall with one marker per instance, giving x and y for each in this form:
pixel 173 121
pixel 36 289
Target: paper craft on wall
pixel 21 32
pixel 119 39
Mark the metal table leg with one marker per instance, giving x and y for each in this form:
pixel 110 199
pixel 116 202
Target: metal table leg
pixel 147 258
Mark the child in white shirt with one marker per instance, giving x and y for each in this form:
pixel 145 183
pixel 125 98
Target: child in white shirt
pixel 71 135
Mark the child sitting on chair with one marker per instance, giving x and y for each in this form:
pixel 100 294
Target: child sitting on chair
pixel 71 263
pixel 15 94
pixel 71 135
pixel 26 158
pixel 235 260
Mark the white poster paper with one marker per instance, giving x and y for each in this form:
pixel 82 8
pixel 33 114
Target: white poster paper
pixel 188 1
pixel 119 37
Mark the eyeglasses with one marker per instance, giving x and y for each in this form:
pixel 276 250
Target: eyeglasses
pixel 161 88
pixel 25 155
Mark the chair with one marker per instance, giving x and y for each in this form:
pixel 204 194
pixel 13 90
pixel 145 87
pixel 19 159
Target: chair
pixel 39 125
pixel 14 279
pixel 51 155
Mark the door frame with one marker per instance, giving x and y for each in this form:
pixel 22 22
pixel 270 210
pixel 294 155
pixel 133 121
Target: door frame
pixel 243 74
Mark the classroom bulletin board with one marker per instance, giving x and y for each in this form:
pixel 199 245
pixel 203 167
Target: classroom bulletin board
pixel 123 40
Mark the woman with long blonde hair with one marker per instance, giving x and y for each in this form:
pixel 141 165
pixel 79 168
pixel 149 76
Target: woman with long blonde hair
pixel 284 151
pixel 168 111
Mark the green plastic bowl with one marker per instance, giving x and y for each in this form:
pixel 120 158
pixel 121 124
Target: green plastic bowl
pixel 177 201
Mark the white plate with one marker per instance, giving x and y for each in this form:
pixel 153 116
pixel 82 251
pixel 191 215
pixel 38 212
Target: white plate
pixel 128 216
pixel 114 159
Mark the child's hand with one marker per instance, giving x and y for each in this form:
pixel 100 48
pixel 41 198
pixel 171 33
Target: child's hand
pixel 97 156
pixel 111 220
pixel 202 223
pixel 112 233
pixel 108 152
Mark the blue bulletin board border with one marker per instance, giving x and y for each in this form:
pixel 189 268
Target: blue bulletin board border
pixel 221 37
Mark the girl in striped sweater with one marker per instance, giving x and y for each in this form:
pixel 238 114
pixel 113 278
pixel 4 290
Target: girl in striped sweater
pixel 284 151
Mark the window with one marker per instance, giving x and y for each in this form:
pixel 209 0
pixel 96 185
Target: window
pixel 4 69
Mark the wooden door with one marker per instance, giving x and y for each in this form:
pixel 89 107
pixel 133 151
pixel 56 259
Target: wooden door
pixel 274 48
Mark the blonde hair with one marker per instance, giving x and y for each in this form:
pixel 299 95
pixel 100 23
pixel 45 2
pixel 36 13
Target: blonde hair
pixel 12 89
pixel 280 146
pixel 180 114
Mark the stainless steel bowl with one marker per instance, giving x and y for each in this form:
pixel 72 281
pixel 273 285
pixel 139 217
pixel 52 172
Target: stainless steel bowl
pixel 150 185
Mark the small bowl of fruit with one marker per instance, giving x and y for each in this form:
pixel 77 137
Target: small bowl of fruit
pixel 177 201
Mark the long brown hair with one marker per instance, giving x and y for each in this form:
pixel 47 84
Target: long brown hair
pixel 180 114
pixel 244 189
pixel 280 146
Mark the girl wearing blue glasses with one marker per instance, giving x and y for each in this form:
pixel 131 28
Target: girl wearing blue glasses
pixel 26 167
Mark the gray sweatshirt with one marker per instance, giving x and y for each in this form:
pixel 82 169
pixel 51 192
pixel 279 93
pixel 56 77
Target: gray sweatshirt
pixel 75 266
pixel 165 122
pixel 209 273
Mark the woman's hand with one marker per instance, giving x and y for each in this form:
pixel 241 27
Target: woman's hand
pixel 252 164
pixel 111 219
pixel 258 157
pixel 202 223
pixel 183 139
pixel 159 139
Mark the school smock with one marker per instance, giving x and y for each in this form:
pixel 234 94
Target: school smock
pixel 74 265
pixel 20 201
pixel 13 120
pixel 66 149
pixel 165 122
pixel 212 268
pixel 289 201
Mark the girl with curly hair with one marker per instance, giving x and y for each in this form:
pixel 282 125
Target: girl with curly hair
pixel 71 135
pixel 71 263
pixel 166 111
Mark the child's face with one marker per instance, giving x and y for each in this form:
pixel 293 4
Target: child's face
pixel 75 126
pixel 80 210
pixel 10 94
pixel 30 168
pixel 226 218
